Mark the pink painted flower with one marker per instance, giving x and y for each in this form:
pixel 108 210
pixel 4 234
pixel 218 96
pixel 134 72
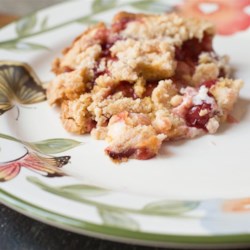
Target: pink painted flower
pixel 238 205
pixel 33 161
pixel 229 16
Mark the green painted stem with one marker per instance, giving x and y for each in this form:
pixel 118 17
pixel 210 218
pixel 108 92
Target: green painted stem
pixel 10 138
pixel 99 205
pixel 85 227
pixel 15 40
pixel 45 31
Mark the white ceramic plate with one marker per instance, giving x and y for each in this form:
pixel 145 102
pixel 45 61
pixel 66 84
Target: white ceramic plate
pixel 194 193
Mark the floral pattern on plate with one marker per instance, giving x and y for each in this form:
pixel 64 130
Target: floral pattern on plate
pixel 49 165
pixel 95 209
pixel 230 16
pixel 37 157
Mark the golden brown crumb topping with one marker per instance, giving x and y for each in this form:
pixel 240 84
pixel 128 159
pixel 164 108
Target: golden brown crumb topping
pixel 143 80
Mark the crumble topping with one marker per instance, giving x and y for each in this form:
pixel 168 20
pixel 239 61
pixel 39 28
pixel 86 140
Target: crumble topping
pixel 203 96
pixel 144 80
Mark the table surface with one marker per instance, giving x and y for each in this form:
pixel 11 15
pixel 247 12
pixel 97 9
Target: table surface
pixel 19 232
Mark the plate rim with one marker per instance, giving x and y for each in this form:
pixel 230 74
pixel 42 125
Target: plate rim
pixel 101 231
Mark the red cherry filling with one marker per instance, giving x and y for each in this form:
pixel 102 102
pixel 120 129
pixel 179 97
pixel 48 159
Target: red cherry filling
pixel 150 86
pixel 144 154
pixel 120 155
pixel 106 49
pixel 106 53
pixel 98 72
pixel 126 88
pixel 139 153
pixel 128 91
pixel 67 69
pixel 195 119
pixel 107 40
pixel 90 125
pixel 122 24
pixel 106 44
pixel 208 84
pixel 187 55
pixel 222 73
pixel 191 49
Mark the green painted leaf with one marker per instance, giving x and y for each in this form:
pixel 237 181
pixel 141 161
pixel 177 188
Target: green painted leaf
pixel 54 146
pixel 50 146
pixel 8 137
pixel 77 192
pixel 81 190
pixel 8 45
pixel 114 215
pixel 26 25
pixel 88 20
pixel 22 46
pixel 118 219
pixel 170 207
pixel 30 46
pixel 101 5
pixel 44 23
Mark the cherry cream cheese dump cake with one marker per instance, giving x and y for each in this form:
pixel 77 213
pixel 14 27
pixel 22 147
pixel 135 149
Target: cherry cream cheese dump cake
pixel 144 80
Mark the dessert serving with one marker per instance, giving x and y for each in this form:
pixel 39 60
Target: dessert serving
pixel 144 80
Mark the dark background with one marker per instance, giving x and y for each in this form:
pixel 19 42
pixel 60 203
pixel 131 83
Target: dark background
pixel 18 232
